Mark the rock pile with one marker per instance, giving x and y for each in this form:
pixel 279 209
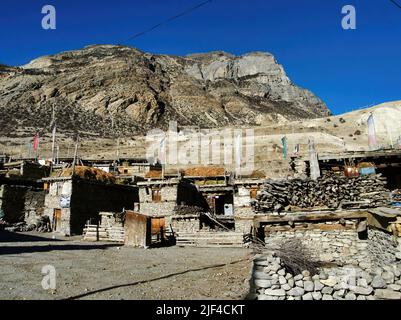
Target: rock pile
pixel 331 191
pixel 42 224
pixel 272 281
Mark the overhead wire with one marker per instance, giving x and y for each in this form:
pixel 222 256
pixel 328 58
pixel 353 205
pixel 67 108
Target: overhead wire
pixel 183 13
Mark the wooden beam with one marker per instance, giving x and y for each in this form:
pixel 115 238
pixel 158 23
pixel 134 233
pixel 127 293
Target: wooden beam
pixel 258 221
pixel 310 226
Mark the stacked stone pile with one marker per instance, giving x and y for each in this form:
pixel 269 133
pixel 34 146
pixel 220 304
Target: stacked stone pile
pixel 272 281
pixel 41 224
pixel 331 191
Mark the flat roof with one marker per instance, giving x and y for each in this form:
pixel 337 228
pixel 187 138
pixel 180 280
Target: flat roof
pixel 355 155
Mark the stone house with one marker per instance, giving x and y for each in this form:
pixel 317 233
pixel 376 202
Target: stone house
pixel 245 191
pixel 158 197
pixel 21 191
pixel 73 201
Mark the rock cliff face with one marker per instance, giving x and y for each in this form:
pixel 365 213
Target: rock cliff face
pixel 114 90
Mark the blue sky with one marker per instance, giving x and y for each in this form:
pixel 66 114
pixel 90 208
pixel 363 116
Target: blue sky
pixel 348 69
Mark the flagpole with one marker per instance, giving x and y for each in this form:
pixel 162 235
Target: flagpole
pixel 53 124
pixel 75 155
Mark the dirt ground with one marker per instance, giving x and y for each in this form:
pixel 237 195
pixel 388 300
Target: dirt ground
pixel 98 270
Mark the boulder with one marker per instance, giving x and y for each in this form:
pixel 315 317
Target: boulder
pixel 277 292
pixel 365 291
pixel 318 285
pixel 296 292
pixel 309 286
pixel 261 283
pixel 317 296
pixel 387 294
pixel 378 282
pixel 330 282
pixel 307 296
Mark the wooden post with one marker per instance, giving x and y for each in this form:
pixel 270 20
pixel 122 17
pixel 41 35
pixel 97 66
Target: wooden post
pixel 75 155
pixel 313 161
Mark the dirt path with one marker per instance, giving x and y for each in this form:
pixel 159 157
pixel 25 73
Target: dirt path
pixel 107 271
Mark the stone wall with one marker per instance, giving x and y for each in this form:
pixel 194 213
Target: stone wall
pixel 342 245
pixel 12 199
pixel 57 190
pixel 165 207
pixel 242 198
pixel 353 268
pixel 21 203
pixel 87 200
pixel 243 219
pixel 243 212
pixel 186 223
pixel 34 205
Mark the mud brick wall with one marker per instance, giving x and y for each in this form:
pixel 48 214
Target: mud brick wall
pixel 353 269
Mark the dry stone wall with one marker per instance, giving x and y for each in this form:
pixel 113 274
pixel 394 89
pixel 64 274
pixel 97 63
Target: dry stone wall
pixel 353 268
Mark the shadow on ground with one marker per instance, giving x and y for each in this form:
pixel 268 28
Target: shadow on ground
pixel 7 236
pixel 152 280
pixel 53 244
pixel 67 247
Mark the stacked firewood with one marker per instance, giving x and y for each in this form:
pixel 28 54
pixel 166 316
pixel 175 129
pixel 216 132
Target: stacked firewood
pixel 184 209
pixel 330 191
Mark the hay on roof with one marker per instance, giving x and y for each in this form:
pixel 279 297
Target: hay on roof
pixel 204 172
pixel 153 174
pixel 89 173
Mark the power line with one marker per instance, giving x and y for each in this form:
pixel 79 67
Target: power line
pixel 168 20
pixel 397 4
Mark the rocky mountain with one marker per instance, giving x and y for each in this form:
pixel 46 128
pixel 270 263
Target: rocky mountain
pixel 116 91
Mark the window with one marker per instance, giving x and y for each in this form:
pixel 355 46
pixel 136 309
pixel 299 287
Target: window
pixel 156 195
pixel 253 193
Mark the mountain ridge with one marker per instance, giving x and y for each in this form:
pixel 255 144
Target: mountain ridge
pixel 115 90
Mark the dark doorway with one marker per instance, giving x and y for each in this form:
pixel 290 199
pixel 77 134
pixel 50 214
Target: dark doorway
pixel 393 176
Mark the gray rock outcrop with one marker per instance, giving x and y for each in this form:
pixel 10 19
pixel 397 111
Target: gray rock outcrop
pixel 115 90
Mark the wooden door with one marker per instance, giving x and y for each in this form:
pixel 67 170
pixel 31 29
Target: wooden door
pixel 56 219
pixel 254 192
pixel 156 195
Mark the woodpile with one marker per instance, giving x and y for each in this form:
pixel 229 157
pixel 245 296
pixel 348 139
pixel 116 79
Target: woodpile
pixel 101 233
pixel 330 191
pixel 183 210
pixel 210 239
pixel 42 224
